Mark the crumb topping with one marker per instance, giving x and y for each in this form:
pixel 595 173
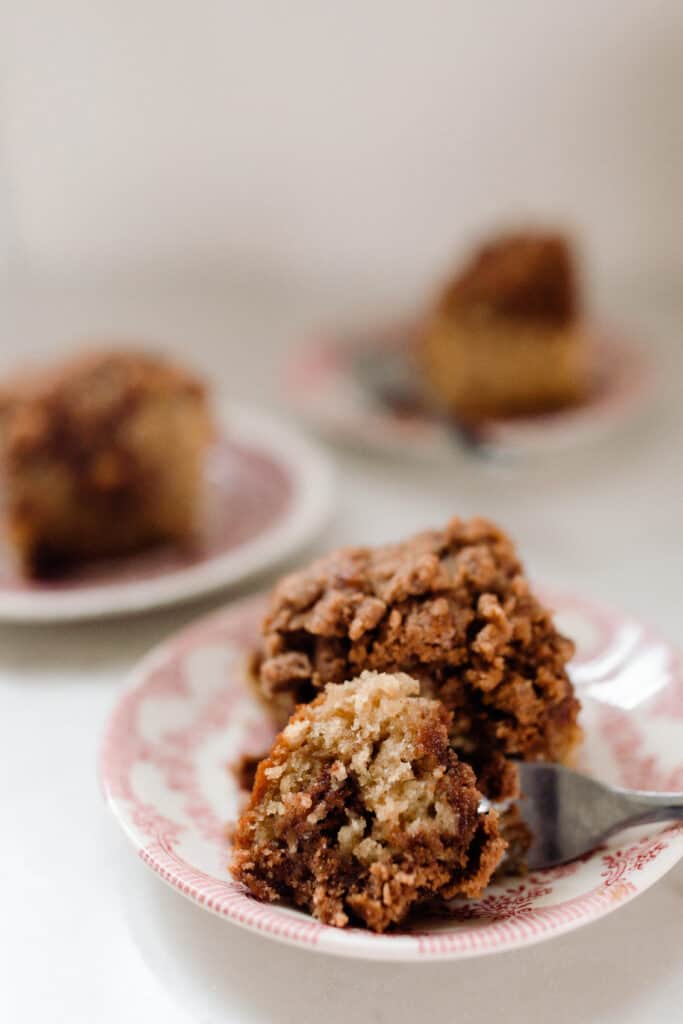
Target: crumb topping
pixel 518 276
pixel 84 401
pixel 450 607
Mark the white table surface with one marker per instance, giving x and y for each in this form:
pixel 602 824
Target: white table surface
pixel 88 934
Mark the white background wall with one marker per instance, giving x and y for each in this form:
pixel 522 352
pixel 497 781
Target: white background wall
pixel 310 137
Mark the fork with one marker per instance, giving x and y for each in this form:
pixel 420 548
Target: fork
pixel 570 814
pixel 387 377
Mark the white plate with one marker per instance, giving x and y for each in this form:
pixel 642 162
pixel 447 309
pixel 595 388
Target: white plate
pixel 328 387
pixel 268 493
pixel 187 713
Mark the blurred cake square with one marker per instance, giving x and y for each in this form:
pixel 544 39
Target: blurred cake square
pixel 505 337
pixel 101 456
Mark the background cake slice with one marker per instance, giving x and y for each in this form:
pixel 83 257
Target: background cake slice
pixel 362 810
pixel 101 456
pixel 505 336
pixel 450 607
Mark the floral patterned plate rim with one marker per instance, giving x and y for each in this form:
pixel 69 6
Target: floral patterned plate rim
pixel 187 713
pixel 327 384
pixel 267 492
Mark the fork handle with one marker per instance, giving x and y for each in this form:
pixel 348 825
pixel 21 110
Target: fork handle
pixel 647 807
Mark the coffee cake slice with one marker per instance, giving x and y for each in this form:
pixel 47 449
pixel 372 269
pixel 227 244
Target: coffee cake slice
pixel 505 336
pixel 100 456
pixel 362 810
pixel 450 607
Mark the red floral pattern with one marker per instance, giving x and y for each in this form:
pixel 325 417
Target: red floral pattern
pixel 621 863
pixel 503 906
pixel 562 870
pixel 638 769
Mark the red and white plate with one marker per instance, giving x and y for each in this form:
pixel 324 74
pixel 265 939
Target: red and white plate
pixel 268 492
pixel 187 714
pixel 330 384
